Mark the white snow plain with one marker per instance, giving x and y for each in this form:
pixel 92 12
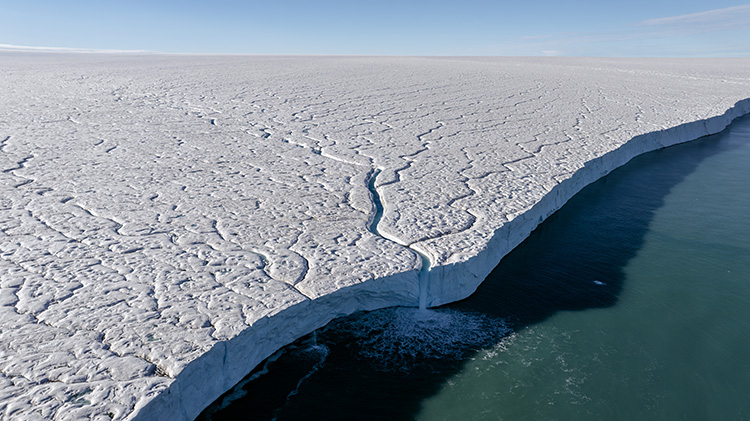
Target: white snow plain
pixel 167 222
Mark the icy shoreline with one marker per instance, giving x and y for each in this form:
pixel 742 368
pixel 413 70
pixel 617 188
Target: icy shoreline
pixel 443 283
pixel 182 396
pixel 167 222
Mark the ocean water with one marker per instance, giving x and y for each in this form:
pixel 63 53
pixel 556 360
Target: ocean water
pixel 631 302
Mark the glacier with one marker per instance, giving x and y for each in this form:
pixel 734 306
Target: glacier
pixel 169 221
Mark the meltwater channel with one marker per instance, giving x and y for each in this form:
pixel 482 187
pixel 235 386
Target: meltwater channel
pixel 631 302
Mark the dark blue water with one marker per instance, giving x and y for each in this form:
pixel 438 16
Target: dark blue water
pixel 631 302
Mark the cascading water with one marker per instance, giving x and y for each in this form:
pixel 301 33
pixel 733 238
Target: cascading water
pixel 424 271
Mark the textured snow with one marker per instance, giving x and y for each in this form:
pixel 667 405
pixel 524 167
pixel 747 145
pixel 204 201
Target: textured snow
pixel 167 222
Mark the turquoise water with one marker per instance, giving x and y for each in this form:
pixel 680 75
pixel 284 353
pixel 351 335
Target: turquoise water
pixel 631 302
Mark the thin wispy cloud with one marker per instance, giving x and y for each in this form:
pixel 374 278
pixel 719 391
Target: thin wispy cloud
pixel 666 29
pixel 28 48
pixel 720 18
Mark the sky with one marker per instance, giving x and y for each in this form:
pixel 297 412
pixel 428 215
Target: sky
pixel 636 28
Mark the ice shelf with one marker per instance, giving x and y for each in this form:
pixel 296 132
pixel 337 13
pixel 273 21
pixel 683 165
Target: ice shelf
pixel 167 222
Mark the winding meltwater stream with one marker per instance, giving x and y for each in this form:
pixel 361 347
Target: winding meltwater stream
pixel 424 271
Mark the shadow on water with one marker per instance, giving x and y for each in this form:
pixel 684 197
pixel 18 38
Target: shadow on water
pixel 383 364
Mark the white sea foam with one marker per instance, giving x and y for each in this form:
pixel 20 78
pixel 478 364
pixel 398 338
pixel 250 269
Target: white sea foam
pixel 400 338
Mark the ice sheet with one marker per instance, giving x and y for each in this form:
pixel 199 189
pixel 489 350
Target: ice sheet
pixel 167 222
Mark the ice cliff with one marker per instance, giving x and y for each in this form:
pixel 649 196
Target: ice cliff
pixel 167 222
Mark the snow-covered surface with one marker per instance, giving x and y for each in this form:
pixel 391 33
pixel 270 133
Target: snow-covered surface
pixel 166 222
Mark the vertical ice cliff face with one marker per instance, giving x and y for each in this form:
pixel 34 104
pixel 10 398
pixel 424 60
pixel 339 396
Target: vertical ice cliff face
pixel 166 223
pixel 460 276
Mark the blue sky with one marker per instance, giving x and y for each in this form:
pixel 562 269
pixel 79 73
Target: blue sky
pixel 681 28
